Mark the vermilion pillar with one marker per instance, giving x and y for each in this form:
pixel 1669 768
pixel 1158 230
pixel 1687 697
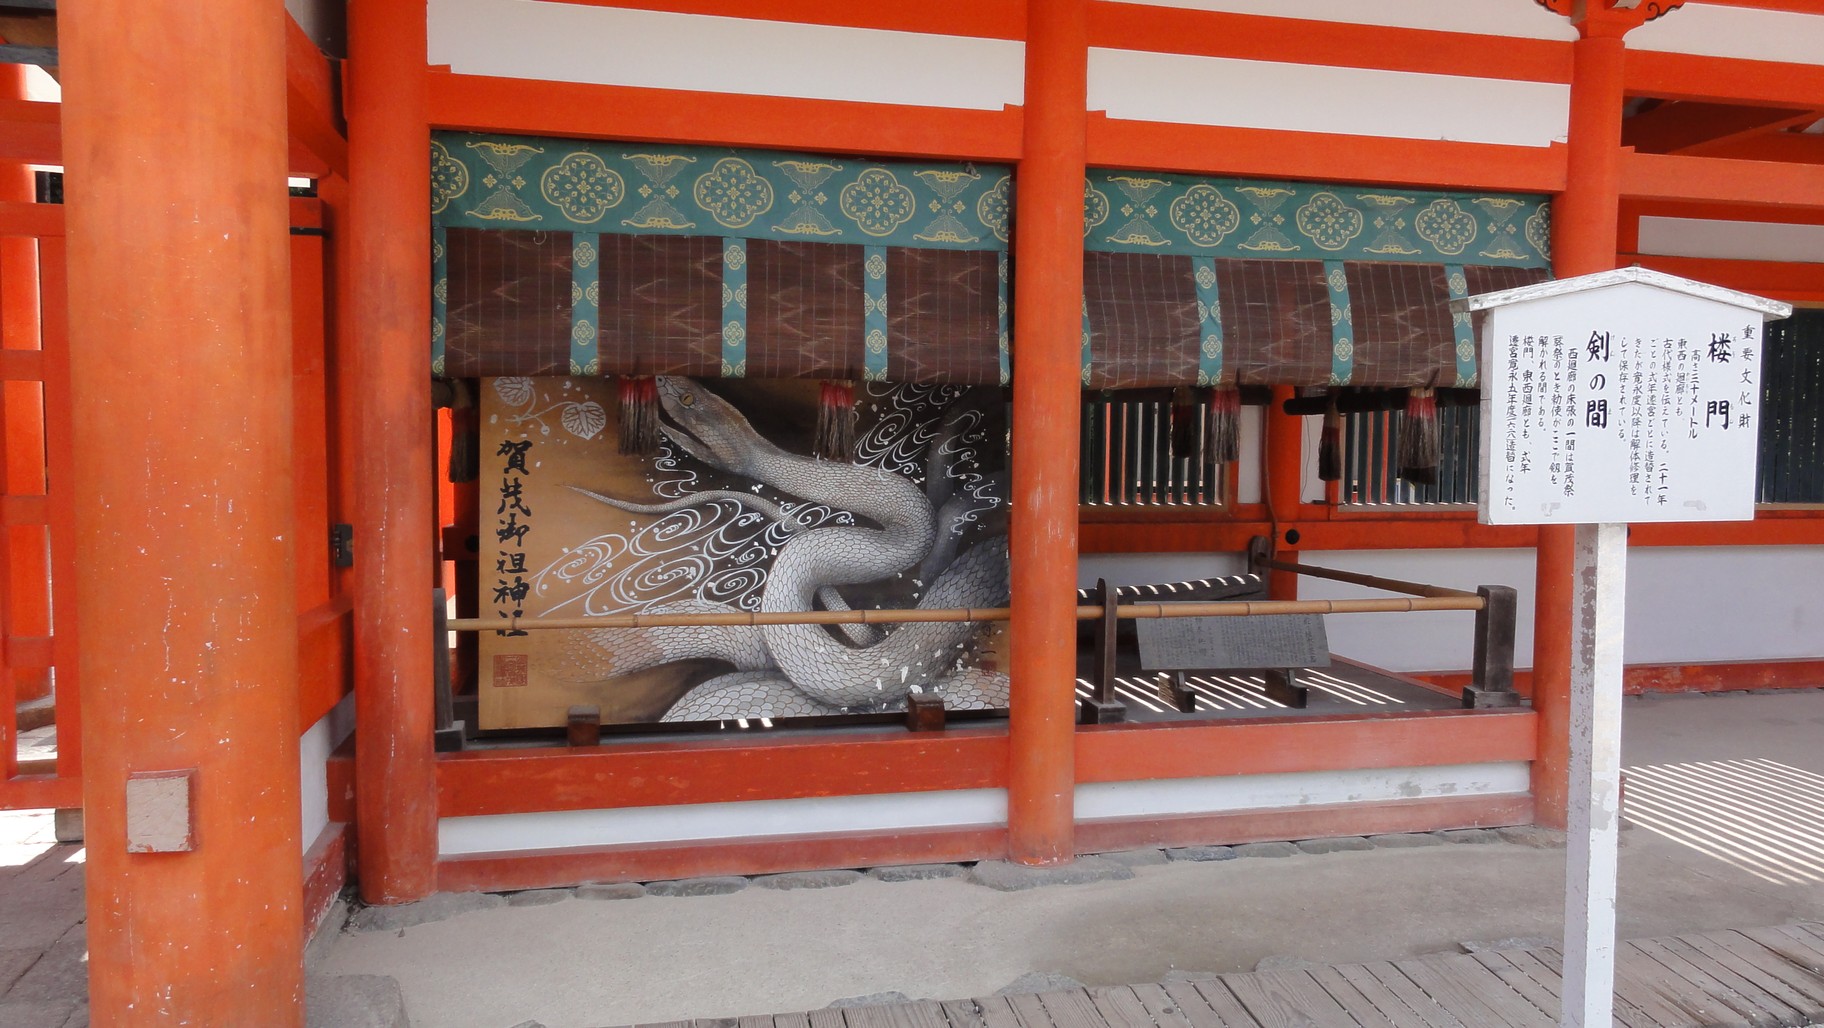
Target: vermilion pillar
pixel 1047 403
pixel 27 597
pixel 180 371
pixel 389 243
pixel 1584 224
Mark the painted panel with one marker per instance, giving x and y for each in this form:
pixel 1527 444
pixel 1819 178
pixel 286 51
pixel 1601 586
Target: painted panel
pixel 729 517
pixel 655 49
pixel 499 833
pixel 1350 101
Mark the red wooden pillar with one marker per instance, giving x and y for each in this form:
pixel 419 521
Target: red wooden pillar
pixel 180 371
pixel 1047 403
pixel 27 597
pixel 389 244
pixel 1585 219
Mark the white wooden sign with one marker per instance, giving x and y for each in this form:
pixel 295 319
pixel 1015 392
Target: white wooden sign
pixel 1606 399
pixel 1627 396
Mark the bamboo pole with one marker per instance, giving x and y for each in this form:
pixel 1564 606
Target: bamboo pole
pixel 1392 585
pixel 1219 608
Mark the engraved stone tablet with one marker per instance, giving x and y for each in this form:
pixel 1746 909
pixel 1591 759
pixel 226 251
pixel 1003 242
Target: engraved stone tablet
pixel 1255 641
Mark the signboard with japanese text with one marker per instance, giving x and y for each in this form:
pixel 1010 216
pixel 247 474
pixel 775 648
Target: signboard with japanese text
pixel 1624 397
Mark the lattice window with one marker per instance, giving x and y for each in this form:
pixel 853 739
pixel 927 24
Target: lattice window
pixel 1371 445
pixel 1128 459
pixel 1792 411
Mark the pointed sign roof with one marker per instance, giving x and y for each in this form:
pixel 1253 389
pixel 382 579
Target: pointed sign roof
pixel 1770 309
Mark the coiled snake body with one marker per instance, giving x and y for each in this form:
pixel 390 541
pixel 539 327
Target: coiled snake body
pixel 787 670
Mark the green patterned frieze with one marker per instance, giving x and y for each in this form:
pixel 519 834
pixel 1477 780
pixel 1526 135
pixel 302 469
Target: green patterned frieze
pixel 490 181
pixel 1243 218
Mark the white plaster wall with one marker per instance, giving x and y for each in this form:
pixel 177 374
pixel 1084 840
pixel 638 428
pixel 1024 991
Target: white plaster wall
pixel 1719 31
pixel 314 748
pixel 1426 640
pixel 1295 789
pixel 703 821
pixel 1352 101
pixel 1732 240
pixel 656 49
pixel 708 821
pixel 1685 604
pixel 1488 17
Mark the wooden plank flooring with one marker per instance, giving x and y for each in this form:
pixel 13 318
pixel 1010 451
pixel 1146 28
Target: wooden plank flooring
pixel 1755 978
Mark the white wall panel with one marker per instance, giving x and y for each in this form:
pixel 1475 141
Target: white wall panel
pixel 1352 101
pixel 1732 240
pixel 495 833
pixel 1719 31
pixel 1488 17
pixel 614 46
pixel 1686 605
pixel 1167 797
pixel 1695 604
pixel 314 748
pixel 1426 640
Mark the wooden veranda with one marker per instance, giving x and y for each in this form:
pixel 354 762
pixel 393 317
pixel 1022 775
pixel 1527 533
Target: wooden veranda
pixel 1730 979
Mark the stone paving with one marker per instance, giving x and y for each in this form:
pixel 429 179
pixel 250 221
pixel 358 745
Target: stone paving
pixel 44 970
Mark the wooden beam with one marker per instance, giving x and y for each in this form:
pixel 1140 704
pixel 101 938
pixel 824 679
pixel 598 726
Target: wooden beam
pixel 42 56
pixel 1272 153
pixel 1692 126
pixel 1724 80
pixel 1792 147
pixel 31 132
pixel 312 108
pixel 1721 180
pixel 1721 212
pixel 1127 752
pixel 589 111
pixel 717 771
pixel 1177 30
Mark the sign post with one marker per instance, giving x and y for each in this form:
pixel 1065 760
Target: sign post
pixel 1609 399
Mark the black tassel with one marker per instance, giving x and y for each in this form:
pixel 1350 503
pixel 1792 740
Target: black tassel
pixel 639 416
pixel 1184 422
pixel 835 438
pixel 1330 444
pixel 1419 438
pixel 465 433
pixel 1225 424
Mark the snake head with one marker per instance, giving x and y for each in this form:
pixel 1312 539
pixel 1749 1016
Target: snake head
pixel 706 426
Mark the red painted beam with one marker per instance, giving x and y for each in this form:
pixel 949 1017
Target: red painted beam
pixel 1271 153
pixel 1725 80
pixel 313 119
pixel 38 792
pixel 1312 821
pixel 718 771
pixel 31 132
pixel 1722 180
pixel 590 111
pixel 1125 26
pixel 1137 752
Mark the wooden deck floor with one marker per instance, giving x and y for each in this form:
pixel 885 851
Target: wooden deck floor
pixel 1765 976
